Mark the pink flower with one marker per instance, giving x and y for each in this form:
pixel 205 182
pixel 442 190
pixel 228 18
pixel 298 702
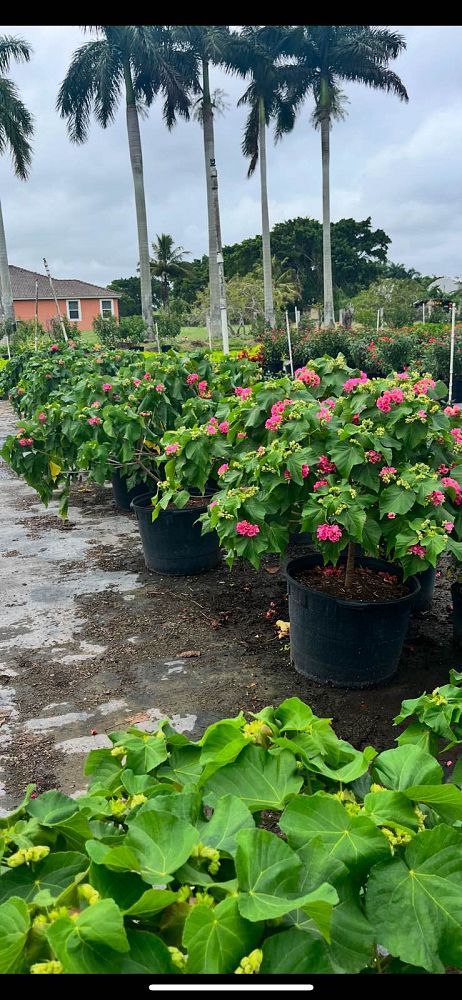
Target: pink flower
pixel 273 423
pixel 107 387
pixel 42 417
pixel 223 468
pixel 448 526
pixel 422 414
pixel 160 387
pixel 224 427
pixel 214 503
pixel 307 375
pixel 241 435
pixel 213 420
pixel 402 375
pixel 329 402
pixel 443 470
pixel 243 393
pixel 437 498
pixel 94 420
pixel 245 528
pixel 287 474
pixel 147 376
pixel 324 414
pixel 172 449
pixel 211 429
pixel 325 466
pixel 192 378
pixel 387 471
pixel 457 435
pixel 261 450
pixel 448 482
pixel 320 483
pixel 355 418
pixel 136 381
pixel 278 408
pixel 423 385
pixel 54 347
pixel 418 550
pixel 96 405
pixel 391 516
pixel 328 533
pixel 305 471
pixel 29 440
pixel 202 387
pixel 22 442
pixel 383 405
pixel 452 411
pixel 351 383
pixel 373 456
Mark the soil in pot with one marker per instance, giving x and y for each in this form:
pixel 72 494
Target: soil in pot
pixel 344 641
pixel 174 542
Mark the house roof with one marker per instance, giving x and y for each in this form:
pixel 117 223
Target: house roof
pixel 447 285
pixel 23 285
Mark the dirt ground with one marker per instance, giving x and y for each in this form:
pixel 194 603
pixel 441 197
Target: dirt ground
pixel 90 641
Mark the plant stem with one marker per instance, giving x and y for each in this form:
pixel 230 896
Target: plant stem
pixel 350 566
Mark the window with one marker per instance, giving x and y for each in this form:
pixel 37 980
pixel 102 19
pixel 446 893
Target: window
pixel 106 308
pixel 73 309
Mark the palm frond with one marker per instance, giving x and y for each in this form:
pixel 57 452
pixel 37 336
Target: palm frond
pixel 16 128
pixel 92 83
pixel 13 49
pixel 250 140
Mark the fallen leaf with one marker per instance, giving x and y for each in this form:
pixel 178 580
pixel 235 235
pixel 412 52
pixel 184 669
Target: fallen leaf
pixel 272 569
pixel 139 717
pixel 283 628
pixel 189 653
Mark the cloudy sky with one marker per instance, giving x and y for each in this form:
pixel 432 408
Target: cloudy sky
pixel 400 164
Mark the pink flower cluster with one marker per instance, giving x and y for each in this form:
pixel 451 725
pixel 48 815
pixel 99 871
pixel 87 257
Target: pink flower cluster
pixel 308 376
pixel 136 381
pixel 192 378
pixel 107 387
pixel 202 387
pixel 437 498
pixel 24 441
pixel 418 550
pixel 160 387
pixel 325 466
pixel 387 471
pixel 95 405
pixel 242 393
pixel 452 411
pixel 373 456
pixel 305 471
pixel 355 418
pixel 42 417
pixel 147 376
pixel 241 435
pixel 172 449
pixel 457 435
pixel 391 516
pixel 423 385
pixel 385 401
pixel 273 423
pixel 223 427
pixel 443 470
pixel 402 375
pixel 54 347
pixel 94 420
pixel 277 411
pixel 319 484
pixel 448 526
pixel 211 427
pixel 223 468
pixel 287 474
pixel 351 383
pixel 324 414
pixel 448 482
pixel 245 528
pixel 328 533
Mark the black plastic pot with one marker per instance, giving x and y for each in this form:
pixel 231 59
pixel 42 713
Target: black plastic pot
pixel 124 496
pixel 457 613
pixel 174 543
pixel 349 644
pixel 165 347
pixel 124 346
pixel 457 389
pixel 273 367
pixel 423 599
pixel 300 538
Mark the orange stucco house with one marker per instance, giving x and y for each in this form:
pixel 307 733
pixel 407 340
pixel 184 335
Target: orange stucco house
pixel 78 300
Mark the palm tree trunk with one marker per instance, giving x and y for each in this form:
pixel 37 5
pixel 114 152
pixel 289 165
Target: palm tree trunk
pixel 5 280
pixel 326 247
pixel 265 229
pixel 136 159
pixel 209 153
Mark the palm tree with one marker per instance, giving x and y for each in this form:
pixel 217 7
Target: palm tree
pixel 140 61
pixel 209 43
pixel 260 51
pixel 16 128
pixel 166 263
pixel 328 55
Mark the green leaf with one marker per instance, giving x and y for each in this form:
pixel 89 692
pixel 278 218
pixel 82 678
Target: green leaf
pixel 93 943
pixel 406 766
pixel 148 954
pixel 229 817
pixel 185 805
pixel 444 799
pixel 292 714
pixel 395 499
pixel 53 875
pixel 151 902
pixel 390 809
pixel 414 903
pixel 346 455
pixel 144 755
pixel 14 928
pixel 221 744
pixel 351 839
pixel 218 937
pixel 269 875
pixel 302 951
pixel 293 952
pixel 184 766
pixel 52 808
pixel 155 846
pixel 259 779
pixel 124 888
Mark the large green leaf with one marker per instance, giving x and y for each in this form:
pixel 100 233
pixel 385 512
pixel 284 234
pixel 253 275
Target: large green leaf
pixel 269 875
pixel 14 928
pixel 144 753
pixel 293 715
pixel 230 816
pixel 414 902
pixel 155 846
pixel 444 799
pixel 259 779
pixel 124 888
pixel 52 875
pixel 93 943
pixel 151 902
pixel 303 951
pixel 351 839
pixel 184 805
pixel 221 744
pixel 184 766
pixel 391 809
pixel 218 937
pixel 407 765
pixel 52 808
pixel 292 952
pixel 148 954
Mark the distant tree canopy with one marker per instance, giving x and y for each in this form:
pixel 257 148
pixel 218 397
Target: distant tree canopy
pixel 130 303
pixel 395 295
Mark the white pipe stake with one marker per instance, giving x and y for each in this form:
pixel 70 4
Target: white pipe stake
pixel 451 360
pixel 290 344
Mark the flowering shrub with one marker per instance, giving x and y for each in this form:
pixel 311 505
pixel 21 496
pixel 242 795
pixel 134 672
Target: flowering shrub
pixel 164 865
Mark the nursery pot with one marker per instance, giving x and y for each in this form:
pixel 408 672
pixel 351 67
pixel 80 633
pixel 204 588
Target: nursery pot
pixel 300 538
pixel 351 644
pixel 273 367
pixel 424 597
pixel 174 543
pixel 457 389
pixel 124 496
pixel 457 613
pixel 165 347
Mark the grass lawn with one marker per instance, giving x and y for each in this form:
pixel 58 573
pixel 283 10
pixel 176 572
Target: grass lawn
pixel 190 337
